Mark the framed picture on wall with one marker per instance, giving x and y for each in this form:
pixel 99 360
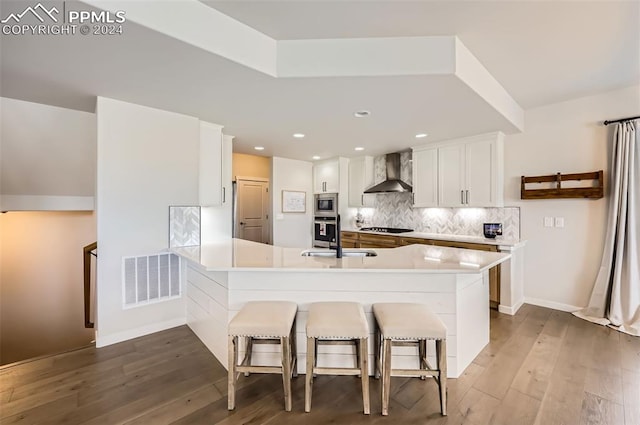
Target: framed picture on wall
pixel 294 201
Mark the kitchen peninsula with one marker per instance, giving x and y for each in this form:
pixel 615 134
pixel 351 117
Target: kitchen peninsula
pixel 452 282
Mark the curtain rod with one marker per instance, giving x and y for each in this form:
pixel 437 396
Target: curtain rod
pixel 621 120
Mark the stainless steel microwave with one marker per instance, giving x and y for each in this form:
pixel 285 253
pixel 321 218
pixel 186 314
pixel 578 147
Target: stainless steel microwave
pixel 326 204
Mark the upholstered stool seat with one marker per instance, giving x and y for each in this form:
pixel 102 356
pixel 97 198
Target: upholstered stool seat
pixel 263 322
pixel 337 323
pixel 399 324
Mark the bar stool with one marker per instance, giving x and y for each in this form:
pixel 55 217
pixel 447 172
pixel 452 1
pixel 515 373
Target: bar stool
pixel 402 324
pixel 337 323
pixel 264 322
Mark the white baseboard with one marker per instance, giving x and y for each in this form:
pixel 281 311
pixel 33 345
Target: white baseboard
pixel 552 304
pixel 510 310
pixel 103 341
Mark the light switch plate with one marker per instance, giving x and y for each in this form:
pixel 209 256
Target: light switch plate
pixel 559 221
pixel 548 222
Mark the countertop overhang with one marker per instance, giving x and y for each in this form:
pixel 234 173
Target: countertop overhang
pixel 241 255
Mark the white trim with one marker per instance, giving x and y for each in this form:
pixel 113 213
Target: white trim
pixel 103 341
pixel 510 310
pixel 46 203
pixel 252 179
pixel 552 304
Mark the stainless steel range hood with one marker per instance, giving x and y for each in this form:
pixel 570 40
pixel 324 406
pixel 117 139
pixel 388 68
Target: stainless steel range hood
pixel 392 182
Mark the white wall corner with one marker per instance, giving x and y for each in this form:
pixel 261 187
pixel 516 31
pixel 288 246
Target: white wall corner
pixel 552 304
pixel 114 338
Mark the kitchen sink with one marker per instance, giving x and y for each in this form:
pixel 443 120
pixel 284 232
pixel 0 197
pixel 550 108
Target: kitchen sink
pixel 345 253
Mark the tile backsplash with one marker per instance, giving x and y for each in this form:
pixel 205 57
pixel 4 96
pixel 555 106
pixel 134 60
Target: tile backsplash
pixel 396 210
pixel 184 226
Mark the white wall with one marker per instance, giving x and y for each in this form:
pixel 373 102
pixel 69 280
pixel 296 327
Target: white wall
pixel 561 263
pixel 147 160
pixel 291 229
pixel 48 157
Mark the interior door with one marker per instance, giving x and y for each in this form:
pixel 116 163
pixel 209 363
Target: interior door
pixel 252 218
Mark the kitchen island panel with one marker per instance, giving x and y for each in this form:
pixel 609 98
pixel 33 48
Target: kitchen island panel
pixel 461 300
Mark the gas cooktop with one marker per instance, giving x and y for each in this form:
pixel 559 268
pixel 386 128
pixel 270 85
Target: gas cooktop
pixel 386 229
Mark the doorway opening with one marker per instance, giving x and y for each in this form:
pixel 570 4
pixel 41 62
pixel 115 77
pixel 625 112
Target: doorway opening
pixel 251 209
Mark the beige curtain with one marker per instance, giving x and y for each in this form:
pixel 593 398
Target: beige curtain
pixel 615 299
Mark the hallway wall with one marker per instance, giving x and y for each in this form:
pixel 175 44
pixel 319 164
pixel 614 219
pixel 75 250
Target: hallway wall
pixel 41 282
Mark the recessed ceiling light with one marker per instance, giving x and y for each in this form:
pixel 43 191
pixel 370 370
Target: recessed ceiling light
pixel 421 135
pixel 259 148
pixel 316 157
pixel 359 148
pixel 361 114
pixel 298 135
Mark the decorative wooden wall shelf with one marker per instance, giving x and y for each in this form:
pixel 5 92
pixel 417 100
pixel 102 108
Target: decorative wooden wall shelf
pixel 594 192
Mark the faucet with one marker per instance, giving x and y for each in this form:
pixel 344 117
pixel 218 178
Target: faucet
pixel 338 237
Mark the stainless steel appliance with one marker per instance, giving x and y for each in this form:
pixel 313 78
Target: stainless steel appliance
pixel 325 231
pixel 392 182
pixel 326 205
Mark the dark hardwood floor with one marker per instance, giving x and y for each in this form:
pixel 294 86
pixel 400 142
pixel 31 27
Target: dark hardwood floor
pixel 541 367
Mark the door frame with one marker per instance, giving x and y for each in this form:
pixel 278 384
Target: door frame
pixel 237 179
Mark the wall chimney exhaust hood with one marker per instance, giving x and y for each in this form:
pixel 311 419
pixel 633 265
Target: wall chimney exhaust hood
pixel 392 182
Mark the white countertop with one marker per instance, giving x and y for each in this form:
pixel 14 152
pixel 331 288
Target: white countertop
pixel 514 243
pixel 242 255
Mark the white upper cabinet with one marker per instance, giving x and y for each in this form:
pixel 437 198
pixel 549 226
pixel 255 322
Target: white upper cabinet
pixel 425 177
pixel 360 178
pixel 326 176
pixel 211 187
pixel 227 165
pixel 470 172
pixel 451 176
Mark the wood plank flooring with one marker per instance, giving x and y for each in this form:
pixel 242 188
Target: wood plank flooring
pixel 542 367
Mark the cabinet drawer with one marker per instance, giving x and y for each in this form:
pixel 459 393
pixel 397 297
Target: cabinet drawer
pixel 377 241
pixel 411 241
pixel 466 245
pixel 349 235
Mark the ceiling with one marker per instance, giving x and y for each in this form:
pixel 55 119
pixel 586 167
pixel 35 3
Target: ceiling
pixel 540 52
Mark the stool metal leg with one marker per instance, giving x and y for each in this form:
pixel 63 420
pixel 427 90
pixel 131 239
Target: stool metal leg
pixel 311 350
pixel 441 354
pixel 386 374
pixel 364 373
pixel 233 361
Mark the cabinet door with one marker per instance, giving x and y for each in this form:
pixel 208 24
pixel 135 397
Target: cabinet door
pixel 227 165
pixel 479 166
pixel 425 178
pixel 360 178
pixel 210 180
pixel 451 176
pixel 326 177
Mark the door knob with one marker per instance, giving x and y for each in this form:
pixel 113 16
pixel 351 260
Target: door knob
pixel 242 223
